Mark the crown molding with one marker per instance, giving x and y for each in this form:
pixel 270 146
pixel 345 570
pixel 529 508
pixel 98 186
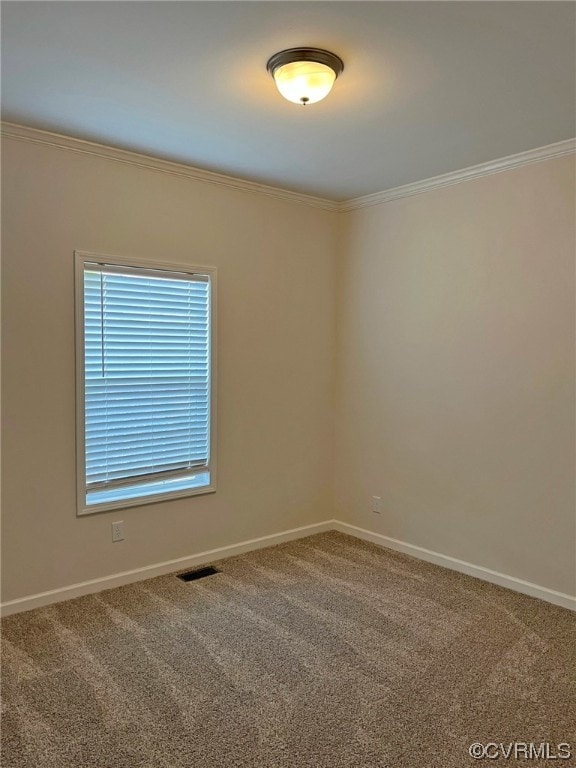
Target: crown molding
pixel 59 141
pixel 466 174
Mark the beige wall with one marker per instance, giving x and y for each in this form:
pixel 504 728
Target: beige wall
pixel 456 371
pixel 276 313
pixel 454 374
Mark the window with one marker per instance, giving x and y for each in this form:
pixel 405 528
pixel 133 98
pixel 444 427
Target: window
pixel 146 383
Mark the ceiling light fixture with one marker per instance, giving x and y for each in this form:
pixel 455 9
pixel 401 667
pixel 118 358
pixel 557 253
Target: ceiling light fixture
pixel 304 75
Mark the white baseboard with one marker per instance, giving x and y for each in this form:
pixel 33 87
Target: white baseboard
pixel 478 571
pixel 158 569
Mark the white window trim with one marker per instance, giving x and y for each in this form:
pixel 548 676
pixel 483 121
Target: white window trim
pixel 85 257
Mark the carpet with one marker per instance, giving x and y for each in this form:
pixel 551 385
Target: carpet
pixel 326 652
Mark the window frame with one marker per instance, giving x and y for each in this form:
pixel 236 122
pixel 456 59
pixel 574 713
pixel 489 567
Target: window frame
pixel 81 258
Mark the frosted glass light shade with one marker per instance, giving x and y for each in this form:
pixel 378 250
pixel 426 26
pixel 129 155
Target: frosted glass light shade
pixel 304 82
pixel 304 75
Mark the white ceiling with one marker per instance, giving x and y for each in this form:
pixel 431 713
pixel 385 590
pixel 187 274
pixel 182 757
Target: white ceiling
pixel 428 87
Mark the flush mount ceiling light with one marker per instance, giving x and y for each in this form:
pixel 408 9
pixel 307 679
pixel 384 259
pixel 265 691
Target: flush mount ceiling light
pixel 304 75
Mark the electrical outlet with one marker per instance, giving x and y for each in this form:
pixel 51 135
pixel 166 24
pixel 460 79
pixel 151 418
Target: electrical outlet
pixel 376 505
pixel 118 531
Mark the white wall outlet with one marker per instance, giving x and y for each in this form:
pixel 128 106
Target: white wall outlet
pixel 376 504
pixel 118 531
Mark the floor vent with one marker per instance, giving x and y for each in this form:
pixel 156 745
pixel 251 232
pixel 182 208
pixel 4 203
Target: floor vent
pixel 200 573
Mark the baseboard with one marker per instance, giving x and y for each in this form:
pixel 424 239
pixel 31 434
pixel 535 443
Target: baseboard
pixel 478 571
pixel 158 569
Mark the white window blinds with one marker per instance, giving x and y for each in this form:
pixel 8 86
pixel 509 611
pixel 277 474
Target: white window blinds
pixel 147 375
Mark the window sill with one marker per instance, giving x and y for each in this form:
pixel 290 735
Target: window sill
pixel 120 498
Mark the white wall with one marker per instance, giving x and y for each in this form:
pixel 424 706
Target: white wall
pixel 276 313
pixel 455 366
pixel 456 371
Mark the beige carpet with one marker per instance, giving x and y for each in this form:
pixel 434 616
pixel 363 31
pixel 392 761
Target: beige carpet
pixel 321 653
